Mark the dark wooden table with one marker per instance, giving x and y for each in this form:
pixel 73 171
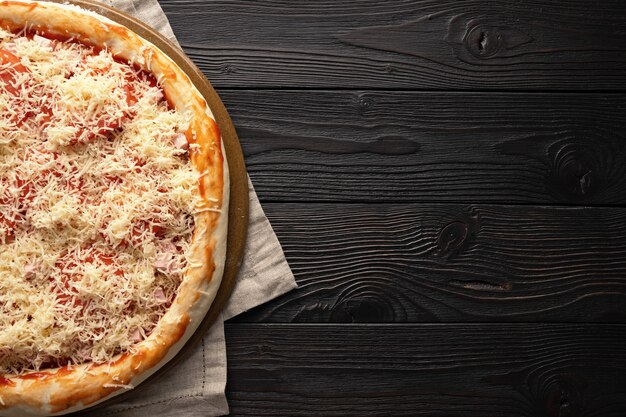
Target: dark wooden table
pixel 448 181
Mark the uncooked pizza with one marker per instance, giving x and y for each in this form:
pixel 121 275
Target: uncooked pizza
pixel 113 208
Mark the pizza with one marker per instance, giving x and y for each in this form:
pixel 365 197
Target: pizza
pixel 113 208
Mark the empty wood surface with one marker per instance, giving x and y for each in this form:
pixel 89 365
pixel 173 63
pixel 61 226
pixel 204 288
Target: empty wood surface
pixel 507 370
pixel 433 146
pixel 448 182
pixel 432 44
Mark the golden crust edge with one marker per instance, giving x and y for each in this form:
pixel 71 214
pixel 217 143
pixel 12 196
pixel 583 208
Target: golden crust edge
pixel 64 391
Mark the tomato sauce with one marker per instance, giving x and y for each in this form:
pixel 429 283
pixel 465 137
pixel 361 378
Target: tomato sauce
pixel 4 381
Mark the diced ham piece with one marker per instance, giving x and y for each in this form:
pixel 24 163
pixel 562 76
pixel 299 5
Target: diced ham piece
pixel 180 141
pixel 136 336
pixel 84 353
pixel 42 41
pixel 158 96
pixel 166 261
pixel 159 295
pixel 12 46
pixel 163 261
pixel 167 246
pixel 31 270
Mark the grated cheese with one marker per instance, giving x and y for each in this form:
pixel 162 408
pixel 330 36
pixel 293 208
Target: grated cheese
pixel 93 190
pixel 124 386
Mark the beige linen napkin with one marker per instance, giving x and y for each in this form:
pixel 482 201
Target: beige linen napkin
pixel 195 387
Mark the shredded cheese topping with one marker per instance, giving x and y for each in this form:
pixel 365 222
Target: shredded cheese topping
pixel 97 198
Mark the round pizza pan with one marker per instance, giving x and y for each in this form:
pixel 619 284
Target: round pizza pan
pixel 238 206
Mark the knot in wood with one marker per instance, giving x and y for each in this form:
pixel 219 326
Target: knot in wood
pixel 561 399
pixel 227 69
pixel 483 41
pixel 361 308
pixel 574 171
pixel 452 236
pixel 365 103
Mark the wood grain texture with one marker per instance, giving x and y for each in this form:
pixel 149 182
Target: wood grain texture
pixel 449 263
pixel 433 146
pixel 427 370
pixel 431 44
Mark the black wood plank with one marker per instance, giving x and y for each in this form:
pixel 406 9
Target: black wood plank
pixel 417 146
pixel 432 44
pixel 427 370
pixel 449 263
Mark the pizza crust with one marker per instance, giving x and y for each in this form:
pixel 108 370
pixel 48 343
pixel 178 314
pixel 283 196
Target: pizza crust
pixel 63 390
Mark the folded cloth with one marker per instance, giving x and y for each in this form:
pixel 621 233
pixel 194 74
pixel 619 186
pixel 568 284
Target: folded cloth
pixel 195 386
